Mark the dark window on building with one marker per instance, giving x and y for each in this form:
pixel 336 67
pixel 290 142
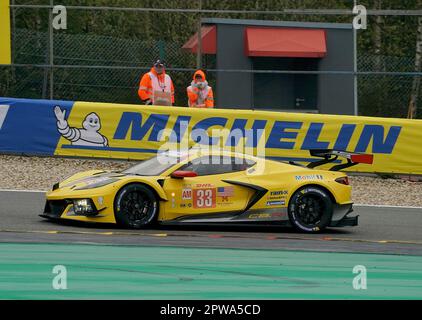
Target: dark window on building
pixel 285 91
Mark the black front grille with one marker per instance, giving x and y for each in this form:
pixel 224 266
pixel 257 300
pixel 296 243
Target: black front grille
pixel 55 207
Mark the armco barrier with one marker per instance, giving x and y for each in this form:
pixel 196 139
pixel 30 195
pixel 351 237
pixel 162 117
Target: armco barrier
pixel 65 128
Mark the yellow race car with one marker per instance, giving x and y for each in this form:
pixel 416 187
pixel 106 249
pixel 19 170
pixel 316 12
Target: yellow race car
pixel 211 187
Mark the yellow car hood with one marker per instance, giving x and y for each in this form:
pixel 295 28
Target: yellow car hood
pixel 88 177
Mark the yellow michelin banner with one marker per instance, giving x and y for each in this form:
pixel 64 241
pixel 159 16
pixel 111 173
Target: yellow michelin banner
pixel 138 132
pixel 5 39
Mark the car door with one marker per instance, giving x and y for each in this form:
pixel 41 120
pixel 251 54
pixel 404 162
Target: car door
pixel 208 193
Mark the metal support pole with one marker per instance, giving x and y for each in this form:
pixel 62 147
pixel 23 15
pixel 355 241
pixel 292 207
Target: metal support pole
pixel 199 51
pixel 51 53
pixel 12 39
pixel 355 68
pixel 13 34
pixel 162 49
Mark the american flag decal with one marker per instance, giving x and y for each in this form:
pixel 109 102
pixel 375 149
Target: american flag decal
pixel 225 192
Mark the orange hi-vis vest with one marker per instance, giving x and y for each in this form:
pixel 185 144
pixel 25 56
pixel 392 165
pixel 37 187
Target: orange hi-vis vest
pixel 151 83
pixel 204 97
pixel 198 97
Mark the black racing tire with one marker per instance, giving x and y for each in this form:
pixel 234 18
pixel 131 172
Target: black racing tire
pixel 135 206
pixel 310 209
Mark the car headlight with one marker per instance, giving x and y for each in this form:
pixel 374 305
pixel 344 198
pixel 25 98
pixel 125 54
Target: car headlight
pixel 84 206
pixel 97 183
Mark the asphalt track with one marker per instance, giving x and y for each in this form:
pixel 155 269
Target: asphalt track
pixel 386 230
pixel 192 262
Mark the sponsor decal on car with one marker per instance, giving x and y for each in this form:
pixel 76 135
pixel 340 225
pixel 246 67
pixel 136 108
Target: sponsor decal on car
pixel 204 198
pixel 203 185
pixel 275 198
pixel 225 204
pixel 187 194
pixel 309 177
pixel 279 193
pixel 273 215
pixel 276 203
pixel 260 216
pixel 225 192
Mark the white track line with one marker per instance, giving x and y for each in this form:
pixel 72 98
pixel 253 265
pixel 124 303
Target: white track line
pixel 28 191
pixel 384 206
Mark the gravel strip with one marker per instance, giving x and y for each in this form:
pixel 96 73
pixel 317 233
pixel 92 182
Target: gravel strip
pixel 38 173
pixel 388 192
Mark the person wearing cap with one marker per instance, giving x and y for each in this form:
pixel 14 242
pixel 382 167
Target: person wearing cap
pixel 200 94
pixel 156 86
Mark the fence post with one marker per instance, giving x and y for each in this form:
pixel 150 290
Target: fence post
pixel 162 49
pixel 355 67
pixel 51 45
pixel 12 35
pixel 199 51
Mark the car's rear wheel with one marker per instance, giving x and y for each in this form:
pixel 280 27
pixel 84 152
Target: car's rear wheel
pixel 135 206
pixel 310 209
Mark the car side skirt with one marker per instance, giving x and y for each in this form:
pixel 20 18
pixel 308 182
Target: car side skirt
pixel 256 215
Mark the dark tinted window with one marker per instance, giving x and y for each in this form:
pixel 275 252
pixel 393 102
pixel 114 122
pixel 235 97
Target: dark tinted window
pixel 212 165
pixel 154 166
pixel 285 91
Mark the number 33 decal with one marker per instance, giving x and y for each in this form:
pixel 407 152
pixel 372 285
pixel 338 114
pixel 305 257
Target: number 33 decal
pixel 204 198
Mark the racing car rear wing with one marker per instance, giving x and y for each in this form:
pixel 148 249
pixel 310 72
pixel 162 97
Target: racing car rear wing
pixel 331 155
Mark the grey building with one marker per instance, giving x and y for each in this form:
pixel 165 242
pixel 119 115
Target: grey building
pixel 242 46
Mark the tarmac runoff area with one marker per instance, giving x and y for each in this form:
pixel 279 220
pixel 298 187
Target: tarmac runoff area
pixel 214 262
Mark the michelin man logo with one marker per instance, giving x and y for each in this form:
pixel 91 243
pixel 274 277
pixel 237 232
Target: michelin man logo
pixel 89 135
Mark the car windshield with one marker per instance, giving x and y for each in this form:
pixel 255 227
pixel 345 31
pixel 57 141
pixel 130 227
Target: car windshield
pixel 154 166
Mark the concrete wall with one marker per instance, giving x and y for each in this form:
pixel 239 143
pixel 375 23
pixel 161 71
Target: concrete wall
pixel 234 90
pixel 336 92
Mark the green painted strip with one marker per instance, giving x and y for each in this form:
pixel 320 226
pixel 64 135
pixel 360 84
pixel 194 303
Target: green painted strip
pixel 129 272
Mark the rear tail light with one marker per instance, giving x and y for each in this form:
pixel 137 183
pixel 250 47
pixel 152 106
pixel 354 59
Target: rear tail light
pixel 343 180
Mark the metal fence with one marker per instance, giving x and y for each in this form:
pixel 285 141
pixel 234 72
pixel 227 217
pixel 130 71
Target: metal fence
pixel 108 69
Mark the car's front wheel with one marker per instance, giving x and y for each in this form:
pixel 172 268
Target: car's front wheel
pixel 310 209
pixel 135 206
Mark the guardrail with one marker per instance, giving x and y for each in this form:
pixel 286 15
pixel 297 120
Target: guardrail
pixel 102 130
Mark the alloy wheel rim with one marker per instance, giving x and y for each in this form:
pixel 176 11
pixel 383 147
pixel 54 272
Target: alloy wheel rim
pixel 136 206
pixel 310 209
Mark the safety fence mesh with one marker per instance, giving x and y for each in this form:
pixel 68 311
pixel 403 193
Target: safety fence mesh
pixel 108 69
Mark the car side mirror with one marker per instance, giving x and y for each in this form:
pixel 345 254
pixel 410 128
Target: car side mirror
pixel 183 174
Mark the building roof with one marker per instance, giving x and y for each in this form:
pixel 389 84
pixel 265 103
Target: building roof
pixel 285 42
pixel 291 24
